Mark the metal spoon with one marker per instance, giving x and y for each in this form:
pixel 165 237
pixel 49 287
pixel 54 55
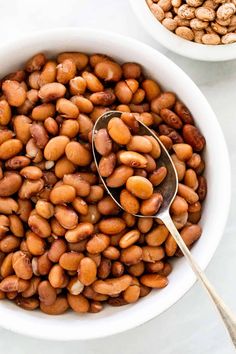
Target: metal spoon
pixel 168 188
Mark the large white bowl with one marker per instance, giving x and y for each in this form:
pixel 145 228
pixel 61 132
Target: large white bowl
pixel 71 326
pixel 177 44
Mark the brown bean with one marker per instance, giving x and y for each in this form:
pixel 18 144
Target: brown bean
pixel 22 126
pixel 108 70
pixel 87 271
pixel 179 206
pixel 98 243
pixel 39 226
pixel 57 308
pixel 84 104
pixel 78 303
pixel 158 176
pixel 51 91
pixel 154 267
pixel 62 194
pixel 131 70
pixel 30 188
pixel 9 243
pixel 13 283
pixel 133 159
pixel 170 246
pixel 139 186
pixel 10 183
pixel 118 131
pixel 77 85
pixel 66 70
pixel 75 287
pixel 66 108
pixel 80 206
pixel 6 268
pixel 44 209
pixel 107 165
pixel 55 148
pixel 191 233
pixel 44 264
pixel 145 224
pixel 5 134
pixel 103 98
pixel 129 202
pixel 107 206
pixel 81 232
pixel 202 188
pixel 27 304
pixel 14 92
pixel 119 176
pixel 78 154
pixel 81 186
pixel 103 143
pixel 35 63
pixel 51 126
pixel 56 276
pixel 131 294
pixel 164 100
pixel 43 111
pixel 157 236
pixel 154 281
pixel 93 83
pixel 70 260
pixel 36 245
pixel 47 294
pixel 123 92
pixel 111 226
pixel 10 148
pixel 131 255
pixel 187 193
pixel 151 205
pixel 16 226
pixel 31 172
pixel 183 151
pixel 190 179
pixel 22 265
pixel 117 269
pixel 8 205
pixel 57 249
pixel 5 112
pixel 80 59
pixel 140 144
pixel 152 253
pixel 93 215
pixel 70 128
pixel 193 137
pixel 129 238
pixel 112 286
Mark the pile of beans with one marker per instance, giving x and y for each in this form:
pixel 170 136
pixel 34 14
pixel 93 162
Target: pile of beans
pixel 135 167
pixel 209 22
pixel 64 243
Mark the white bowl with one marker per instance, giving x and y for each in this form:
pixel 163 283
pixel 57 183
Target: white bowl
pixel 177 44
pixel 71 326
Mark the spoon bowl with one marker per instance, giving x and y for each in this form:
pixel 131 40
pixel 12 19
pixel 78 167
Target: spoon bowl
pixel 168 188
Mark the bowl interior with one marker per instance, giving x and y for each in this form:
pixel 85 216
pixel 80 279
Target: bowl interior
pixel 113 320
pixel 177 44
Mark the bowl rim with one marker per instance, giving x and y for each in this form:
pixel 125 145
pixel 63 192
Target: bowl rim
pixel 177 44
pixel 20 324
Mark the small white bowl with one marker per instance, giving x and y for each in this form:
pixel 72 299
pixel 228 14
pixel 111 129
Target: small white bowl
pixel 177 44
pixel 71 326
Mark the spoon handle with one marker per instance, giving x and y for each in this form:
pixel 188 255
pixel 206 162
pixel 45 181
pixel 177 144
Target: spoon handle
pixel 226 314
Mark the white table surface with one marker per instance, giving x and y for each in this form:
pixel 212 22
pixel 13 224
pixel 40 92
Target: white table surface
pixel 191 326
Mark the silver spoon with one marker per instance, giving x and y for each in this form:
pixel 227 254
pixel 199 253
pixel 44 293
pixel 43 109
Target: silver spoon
pixel 168 188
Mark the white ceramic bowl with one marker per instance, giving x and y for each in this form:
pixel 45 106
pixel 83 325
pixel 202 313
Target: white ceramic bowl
pixel 177 44
pixel 114 320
